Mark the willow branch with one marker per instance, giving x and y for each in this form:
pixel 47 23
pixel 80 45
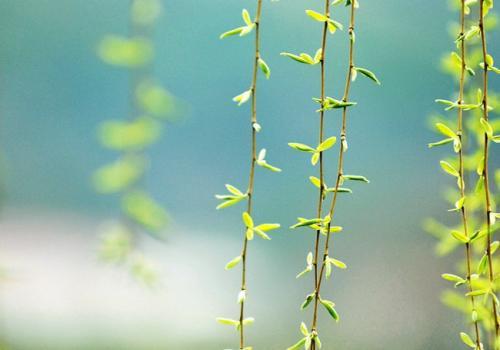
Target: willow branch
pixel 342 148
pixel 485 167
pixel 253 120
pixel 463 210
pixel 321 169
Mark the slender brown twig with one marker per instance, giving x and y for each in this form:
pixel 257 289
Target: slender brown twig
pixel 253 121
pixel 321 169
pixel 488 209
pixel 463 210
pixel 342 150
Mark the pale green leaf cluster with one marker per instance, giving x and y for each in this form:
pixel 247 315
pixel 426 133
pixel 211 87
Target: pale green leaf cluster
pixel 130 138
pixel 477 285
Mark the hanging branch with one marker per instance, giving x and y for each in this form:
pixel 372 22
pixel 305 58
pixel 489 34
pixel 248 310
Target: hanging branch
pixel 235 195
pixel 351 75
pixel 461 206
pixel 323 226
pixel 487 64
pixel 150 104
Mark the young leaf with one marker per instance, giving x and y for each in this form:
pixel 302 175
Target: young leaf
pixel 316 16
pixel 303 58
pixel 369 74
pixel 355 178
pixel 247 219
pixel 298 344
pixel 235 31
pixel 459 236
pixel 337 263
pixel 233 262
pixel 246 17
pixel 466 339
pixel 243 97
pixel 307 301
pixel 449 168
pixel 446 131
pixel 227 321
pixel 301 147
pixel 329 306
pixel 264 68
pixel 328 143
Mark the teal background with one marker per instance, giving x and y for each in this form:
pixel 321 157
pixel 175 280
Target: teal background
pixel 54 91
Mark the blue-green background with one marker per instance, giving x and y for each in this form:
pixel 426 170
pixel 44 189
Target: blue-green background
pixel 54 92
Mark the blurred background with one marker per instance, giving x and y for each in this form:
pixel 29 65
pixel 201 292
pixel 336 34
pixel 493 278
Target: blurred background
pixel 55 293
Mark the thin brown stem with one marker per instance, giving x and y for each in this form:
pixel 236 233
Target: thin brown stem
pixel 342 149
pixel 253 120
pixel 463 210
pixel 485 170
pixel 321 169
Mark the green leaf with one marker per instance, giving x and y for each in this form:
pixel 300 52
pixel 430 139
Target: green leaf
pixel 119 175
pixel 130 136
pixel 367 73
pixel 355 178
pixel 307 301
pixel 227 321
pixel 248 321
pixel 339 190
pixel 327 144
pixel 315 158
pixel 459 236
pixel 234 190
pixel 268 166
pixel 316 16
pixel 337 263
pixel 156 100
pixel 302 58
pixel 247 220
pixel 446 131
pixel 249 234
pixel 303 329
pixel 298 344
pixel 243 97
pixel 467 340
pixel 329 306
pixel 301 147
pixel 334 25
pixel 246 17
pixel 306 222
pixel 140 207
pixel 331 103
pixel 267 227
pixel 447 167
pixel 315 181
pixel 235 31
pixel 125 52
pixel 305 271
pixel 477 292
pixel 440 143
pixel 233 262
pixel 264 68
pixel 488 129
pixel 452 278
pixel 262 234
pixel 335 229
pixel 229 202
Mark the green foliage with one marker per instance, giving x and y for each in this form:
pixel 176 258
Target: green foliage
pixel 152 104
pixel 322 225
pixel 235 195
pixel 469 135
